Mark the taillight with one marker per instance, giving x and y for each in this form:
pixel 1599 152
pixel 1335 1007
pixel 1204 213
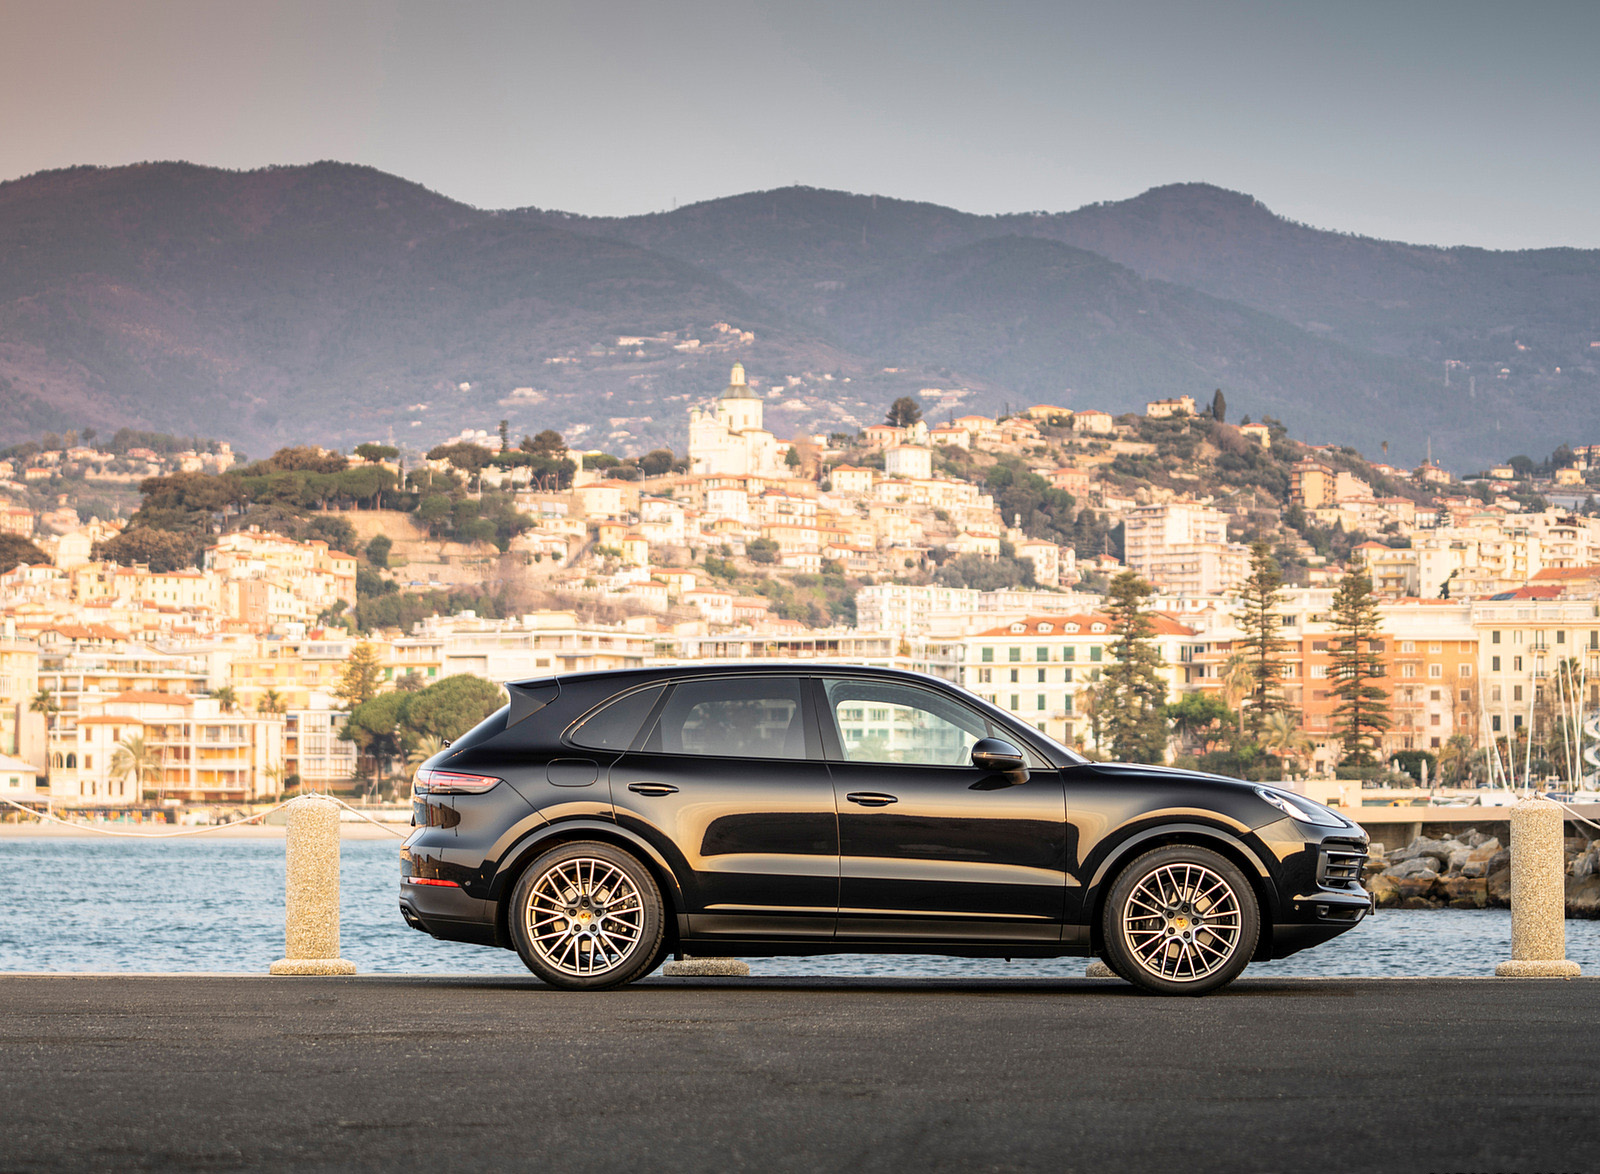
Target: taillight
pixel 449 782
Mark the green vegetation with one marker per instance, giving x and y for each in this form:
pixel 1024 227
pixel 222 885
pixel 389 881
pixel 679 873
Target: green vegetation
pixel 1362 713
pixel 15 550
pixel 1132 695
pixel 1263 646
pixel 390 726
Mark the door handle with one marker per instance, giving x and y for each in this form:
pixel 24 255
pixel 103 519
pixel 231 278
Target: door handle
pixel 652 788
pixel 871 798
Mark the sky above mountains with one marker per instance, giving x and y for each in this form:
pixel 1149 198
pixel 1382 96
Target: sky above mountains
pixel 1441 123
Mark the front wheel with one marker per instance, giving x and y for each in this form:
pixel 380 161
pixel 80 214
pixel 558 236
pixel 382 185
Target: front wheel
pixel 1180 920
pixel 586 916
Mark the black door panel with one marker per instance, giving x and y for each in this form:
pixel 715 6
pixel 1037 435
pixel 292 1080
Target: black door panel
pixel 753 836
pixel 931 848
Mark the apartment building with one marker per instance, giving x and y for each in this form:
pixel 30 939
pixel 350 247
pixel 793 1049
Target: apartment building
pixel 1183 548
pixel 202 752
pixel 1038 667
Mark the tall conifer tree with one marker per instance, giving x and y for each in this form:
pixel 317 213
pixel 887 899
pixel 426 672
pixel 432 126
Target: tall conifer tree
pixel 1361 714
pixel 1133 696
pixel 1262 645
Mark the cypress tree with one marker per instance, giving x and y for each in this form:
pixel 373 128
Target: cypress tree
pixel 1362 713
pixel 1133 696
pixel 1219 407
pixel 1262 645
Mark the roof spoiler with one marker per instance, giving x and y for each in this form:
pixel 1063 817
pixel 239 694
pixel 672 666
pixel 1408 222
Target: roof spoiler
pixel 529 697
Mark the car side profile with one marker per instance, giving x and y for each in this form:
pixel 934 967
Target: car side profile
pixel 602 822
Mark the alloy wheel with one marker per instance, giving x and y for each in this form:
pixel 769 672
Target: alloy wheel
pixel 1182 922
pixel 584 917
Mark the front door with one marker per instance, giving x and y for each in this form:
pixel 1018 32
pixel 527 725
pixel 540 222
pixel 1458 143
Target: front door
pixel 930 846
pixel 730 786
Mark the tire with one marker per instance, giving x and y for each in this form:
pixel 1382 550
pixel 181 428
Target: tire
pixel 587 916
pixel 1180 920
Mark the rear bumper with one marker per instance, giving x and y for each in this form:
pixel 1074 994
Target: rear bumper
pixel 446 912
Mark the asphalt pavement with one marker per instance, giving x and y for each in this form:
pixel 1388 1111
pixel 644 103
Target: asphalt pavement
pixel 221 1073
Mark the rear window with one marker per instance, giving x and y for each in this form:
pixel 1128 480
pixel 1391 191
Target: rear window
pixel 616 724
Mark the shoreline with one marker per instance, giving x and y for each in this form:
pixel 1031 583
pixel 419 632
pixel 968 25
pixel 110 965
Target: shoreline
pixel 353 830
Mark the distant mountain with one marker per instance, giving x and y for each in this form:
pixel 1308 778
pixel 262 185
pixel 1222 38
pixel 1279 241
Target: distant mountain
pixel 336 303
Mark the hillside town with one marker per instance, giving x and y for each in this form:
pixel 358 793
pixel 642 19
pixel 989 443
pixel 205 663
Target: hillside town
pixel 185 627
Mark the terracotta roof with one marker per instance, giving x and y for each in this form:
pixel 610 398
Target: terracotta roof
pixel 106 719
pixel 1567 573
pixel 146 697
pixel 1161 624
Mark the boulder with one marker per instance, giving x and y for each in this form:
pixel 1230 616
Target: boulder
pixel 1472 837
pixel 1477 860
pixel 1415 884
pixel 1413 867
pixel 1434 849
pixel 1464 892
pixel 1418 903
pixel 1583 897
pixel 1384 890
pixel 1498 886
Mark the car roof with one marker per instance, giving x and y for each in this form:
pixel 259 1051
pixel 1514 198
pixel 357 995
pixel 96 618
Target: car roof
pixel 715 668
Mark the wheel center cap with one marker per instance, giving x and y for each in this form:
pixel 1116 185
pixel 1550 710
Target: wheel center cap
pixel 1180 923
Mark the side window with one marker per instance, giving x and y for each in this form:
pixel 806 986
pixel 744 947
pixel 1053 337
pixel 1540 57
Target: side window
pixel 616 724
pixel 902 724
pixel 733 717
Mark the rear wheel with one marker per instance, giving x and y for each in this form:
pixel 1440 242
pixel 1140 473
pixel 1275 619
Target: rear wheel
pixel 1180 920
pixel 586 916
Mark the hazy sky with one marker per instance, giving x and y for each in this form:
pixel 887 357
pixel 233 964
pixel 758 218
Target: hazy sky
pixel 1435 122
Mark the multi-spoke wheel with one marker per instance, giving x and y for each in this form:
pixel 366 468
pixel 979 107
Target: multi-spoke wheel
pixel 1180 920
pixel 587 915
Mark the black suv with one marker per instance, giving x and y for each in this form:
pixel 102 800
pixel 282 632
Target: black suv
pixel 600 822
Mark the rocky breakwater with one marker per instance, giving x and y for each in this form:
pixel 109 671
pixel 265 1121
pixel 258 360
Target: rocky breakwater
pixel 1472 871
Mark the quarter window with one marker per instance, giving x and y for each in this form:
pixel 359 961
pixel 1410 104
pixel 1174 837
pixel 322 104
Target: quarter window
pixel 614 727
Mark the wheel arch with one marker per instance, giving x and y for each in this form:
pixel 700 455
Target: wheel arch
pixel 542 839
pixel 1196 835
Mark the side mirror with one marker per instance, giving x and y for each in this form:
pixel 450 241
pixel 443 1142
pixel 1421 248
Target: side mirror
pixel 996 755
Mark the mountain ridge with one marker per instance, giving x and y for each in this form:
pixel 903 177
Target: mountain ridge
pixel 325 301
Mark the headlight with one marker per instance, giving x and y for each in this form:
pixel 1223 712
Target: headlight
pixel 1303 810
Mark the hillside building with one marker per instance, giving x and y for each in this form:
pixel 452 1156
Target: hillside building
pixel 730 437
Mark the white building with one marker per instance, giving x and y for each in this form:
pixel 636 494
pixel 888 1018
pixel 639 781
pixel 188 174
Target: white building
pixel 730 439
pixel 1183 548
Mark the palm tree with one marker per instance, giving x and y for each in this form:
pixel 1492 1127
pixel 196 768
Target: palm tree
pixel 274 775
pixel 1238 680
pixel 44 702
pixel 1281 736
pixel 135 758
pixel 271 702
pixel 426 748
pixel 226 698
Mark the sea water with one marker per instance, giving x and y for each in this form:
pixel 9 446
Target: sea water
pixel 216 904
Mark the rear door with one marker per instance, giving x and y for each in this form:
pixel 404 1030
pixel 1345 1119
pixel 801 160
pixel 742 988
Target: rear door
pixel 729 784
pixel 930 846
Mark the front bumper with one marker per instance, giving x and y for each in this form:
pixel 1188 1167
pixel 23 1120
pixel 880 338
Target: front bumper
pixel 1320 891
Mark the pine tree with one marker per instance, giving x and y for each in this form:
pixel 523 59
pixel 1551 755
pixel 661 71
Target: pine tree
pixel 904 412
pixel 1133 696
pixel 1361 714
pixel 1262 646
pixel 362 673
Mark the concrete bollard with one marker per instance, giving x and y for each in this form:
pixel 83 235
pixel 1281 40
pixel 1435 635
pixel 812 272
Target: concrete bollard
pixel 1098 969
pixel 1538 894
pixel 706 968
pixel 311 890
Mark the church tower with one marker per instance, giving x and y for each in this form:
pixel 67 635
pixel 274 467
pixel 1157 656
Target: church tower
pixel 738 407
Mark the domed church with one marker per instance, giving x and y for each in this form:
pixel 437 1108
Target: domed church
pixel 729 438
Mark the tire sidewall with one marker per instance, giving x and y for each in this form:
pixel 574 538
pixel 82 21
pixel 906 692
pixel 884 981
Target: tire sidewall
pixel 645 951
pixel 1120 958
